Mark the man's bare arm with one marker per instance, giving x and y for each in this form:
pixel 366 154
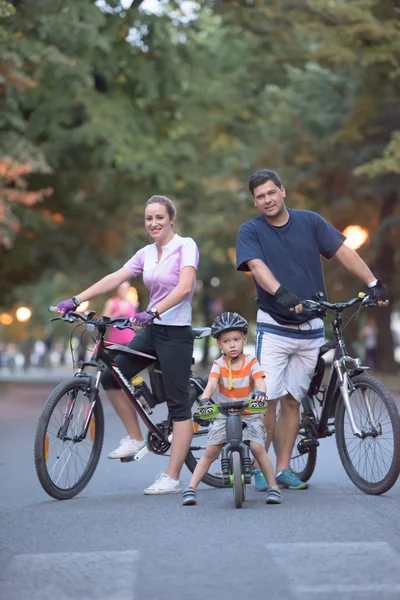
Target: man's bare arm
pixel 263 275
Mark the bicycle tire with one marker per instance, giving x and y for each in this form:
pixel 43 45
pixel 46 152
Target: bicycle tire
pixel 306 473
pixel 238 485
pixel 387 482
pixel 191 461
pixel 39 448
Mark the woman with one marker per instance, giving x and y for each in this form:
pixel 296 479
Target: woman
pixel 120 306
pixel 169 272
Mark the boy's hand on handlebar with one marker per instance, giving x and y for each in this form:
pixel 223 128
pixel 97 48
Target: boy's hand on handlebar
pixel 379 293
pixel 261 396
pixel 288 300
pixel 204 402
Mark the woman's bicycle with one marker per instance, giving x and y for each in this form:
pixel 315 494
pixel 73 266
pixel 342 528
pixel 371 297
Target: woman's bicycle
pixel 235 459
pixel 70 432
pixel 356 407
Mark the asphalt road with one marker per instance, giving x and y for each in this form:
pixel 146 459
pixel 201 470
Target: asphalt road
pixel 114 543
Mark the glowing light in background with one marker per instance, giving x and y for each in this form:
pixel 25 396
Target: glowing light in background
pixel 6 319
pixel 23 314
pixel 82 307
pixel 132 294
pixel 356 236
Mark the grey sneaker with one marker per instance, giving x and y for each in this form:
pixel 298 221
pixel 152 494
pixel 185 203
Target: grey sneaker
pixel 189 497
pixel 274 496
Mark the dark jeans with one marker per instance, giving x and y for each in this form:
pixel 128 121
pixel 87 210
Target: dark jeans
pixel 173 347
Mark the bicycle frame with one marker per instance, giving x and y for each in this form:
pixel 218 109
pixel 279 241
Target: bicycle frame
pixel 343 368
pixel 100 359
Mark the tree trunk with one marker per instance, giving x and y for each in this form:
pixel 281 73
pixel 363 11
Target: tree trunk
pixel 385 270
pixel 205 305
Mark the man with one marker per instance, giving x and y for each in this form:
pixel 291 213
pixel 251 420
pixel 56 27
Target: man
pixel 282 247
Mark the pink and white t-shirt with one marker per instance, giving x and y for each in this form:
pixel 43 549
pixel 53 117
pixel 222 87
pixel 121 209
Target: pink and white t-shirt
pixel 161 277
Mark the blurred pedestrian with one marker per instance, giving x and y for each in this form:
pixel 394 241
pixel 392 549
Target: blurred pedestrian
pixel 120 306
pixel 27 350
pixel 369 335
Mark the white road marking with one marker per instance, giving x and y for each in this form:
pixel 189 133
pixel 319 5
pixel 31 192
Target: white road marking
pixel 71 575
pixel 356 568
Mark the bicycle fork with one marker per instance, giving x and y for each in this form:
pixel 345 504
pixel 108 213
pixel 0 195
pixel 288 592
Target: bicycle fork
pixel 234 435
pixel 343 376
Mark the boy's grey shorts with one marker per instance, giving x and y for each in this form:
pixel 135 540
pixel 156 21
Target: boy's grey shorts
pixel 254 431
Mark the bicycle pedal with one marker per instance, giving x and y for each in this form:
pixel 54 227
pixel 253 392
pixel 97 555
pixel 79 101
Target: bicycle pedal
pixel 307 444
pixel 127 458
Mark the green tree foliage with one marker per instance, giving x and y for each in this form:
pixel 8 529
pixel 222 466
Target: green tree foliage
pixel 112 105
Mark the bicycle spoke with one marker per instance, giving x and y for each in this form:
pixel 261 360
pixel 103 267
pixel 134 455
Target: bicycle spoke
pixel 371 457
pixel 69 459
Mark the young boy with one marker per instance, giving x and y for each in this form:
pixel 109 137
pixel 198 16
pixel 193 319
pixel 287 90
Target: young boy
pixel 236 375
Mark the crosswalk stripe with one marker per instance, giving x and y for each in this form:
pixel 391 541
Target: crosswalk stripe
pixel 77 575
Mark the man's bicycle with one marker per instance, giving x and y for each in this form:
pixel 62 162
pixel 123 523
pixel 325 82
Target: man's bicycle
pixel 70 432
pixel 235 458
pixel 354 406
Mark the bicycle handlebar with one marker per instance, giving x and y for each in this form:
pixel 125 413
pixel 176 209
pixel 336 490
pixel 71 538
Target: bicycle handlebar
pixel 323 305
pixel 72 316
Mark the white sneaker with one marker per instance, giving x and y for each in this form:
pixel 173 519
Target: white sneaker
pixel 164 485
pixel 127 447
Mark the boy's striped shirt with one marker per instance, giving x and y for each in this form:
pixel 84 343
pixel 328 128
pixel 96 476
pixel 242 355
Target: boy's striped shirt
pixel 242 378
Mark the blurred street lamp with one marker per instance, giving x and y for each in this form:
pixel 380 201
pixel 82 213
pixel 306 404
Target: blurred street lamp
pixel 356 236
pixel 23 314
pixel 82 307
pixel 6 319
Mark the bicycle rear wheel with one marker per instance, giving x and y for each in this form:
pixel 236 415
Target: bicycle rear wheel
pixel 64 463
pixel 372 463
pixel 303 465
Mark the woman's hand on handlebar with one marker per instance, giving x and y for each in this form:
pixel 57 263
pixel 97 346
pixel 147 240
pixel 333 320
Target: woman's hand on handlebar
pixel 65 306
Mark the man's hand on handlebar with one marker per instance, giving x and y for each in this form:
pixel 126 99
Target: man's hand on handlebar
pixel 379 293
pixel 288 300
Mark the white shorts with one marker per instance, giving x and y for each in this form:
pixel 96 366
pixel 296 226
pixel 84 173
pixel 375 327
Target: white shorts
pixel 288 354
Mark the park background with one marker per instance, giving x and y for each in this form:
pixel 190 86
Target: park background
pixel 105 103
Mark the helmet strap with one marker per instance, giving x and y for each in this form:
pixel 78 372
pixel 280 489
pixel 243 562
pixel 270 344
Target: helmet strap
pixel 230 382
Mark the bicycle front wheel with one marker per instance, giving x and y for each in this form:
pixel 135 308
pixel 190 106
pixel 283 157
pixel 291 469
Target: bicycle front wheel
pixel 65 460
pixel 237 476
pixel 372 463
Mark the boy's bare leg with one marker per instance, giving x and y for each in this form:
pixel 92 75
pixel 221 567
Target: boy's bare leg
pixel 269 421
pixel 211 454
pixel 265 463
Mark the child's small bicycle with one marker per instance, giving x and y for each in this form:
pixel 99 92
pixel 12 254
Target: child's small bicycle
pixel 235 455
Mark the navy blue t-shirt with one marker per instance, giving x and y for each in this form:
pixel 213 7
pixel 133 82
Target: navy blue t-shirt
pixel 292 253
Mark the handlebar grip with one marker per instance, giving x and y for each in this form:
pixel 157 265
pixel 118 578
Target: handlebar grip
pixel 53 309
